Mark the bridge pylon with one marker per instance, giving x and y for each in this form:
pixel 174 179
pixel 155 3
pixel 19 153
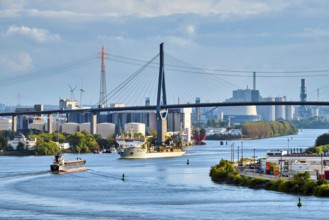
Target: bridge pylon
pixel 161 114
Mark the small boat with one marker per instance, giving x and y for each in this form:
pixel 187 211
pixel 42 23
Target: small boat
pixel 137 148
pixel 97 151
pixel 60 165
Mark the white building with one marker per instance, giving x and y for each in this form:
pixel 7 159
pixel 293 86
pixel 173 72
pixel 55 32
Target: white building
pixel 5 124
pixel 187 123
pixel 63 146
pixel 20 138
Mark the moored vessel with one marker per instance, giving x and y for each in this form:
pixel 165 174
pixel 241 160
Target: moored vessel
pixel 199 136
pixel 137 148
pixel 60 165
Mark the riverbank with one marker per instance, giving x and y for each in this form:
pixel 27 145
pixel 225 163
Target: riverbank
pixel 300 184
pixel 26 153
pixel 17 153
pixel 217 137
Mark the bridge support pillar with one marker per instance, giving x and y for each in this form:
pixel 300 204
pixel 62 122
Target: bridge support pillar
pixel 161 100
pixel 163 129
pixel 50 123
pixel 93 123
pixel 14 123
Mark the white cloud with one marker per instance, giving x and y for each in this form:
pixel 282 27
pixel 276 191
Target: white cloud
pixel 9 8
pixel 316 32
pixel 21 62
pixel 57 14
pixel 111 38
pixel 190 29
pixel 37 34
pixel 7 13
pixel 144 8
pixel 179 41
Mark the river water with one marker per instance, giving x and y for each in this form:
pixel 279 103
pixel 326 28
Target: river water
pixel 153 189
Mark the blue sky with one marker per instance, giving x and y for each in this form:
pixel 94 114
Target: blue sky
pixel 245 35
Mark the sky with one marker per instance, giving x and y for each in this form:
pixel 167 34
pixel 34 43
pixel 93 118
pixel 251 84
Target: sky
pixel 48 46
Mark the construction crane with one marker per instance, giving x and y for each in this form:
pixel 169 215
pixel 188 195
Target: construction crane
pixel 72 92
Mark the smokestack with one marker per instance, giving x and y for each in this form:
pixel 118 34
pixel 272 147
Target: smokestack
pixel 303 91
pixel 254 85
pixel 147 101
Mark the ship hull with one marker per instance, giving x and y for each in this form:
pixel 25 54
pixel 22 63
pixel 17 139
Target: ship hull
pixel 139 153
pixel 199 139
pixel 68 166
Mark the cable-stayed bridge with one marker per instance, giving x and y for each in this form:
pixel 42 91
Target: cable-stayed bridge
pixel 168 82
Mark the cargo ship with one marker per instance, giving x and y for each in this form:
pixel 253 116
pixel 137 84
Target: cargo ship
pixel 60 165
pixel 199 136
pixel 137 148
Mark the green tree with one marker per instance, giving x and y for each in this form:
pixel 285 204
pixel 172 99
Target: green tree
pixel 3 142
pixel 77 140
pixel 106 143
pixel 47 148
pixel 323 139
pixel 20 146
pixel 58 137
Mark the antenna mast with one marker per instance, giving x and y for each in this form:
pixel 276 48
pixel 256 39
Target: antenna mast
pixel 102 93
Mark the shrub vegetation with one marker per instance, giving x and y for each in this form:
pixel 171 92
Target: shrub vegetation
pixel 264 129
pixel 300 184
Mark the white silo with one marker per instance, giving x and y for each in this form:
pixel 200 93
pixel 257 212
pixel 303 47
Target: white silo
pixel 106 129
pixel 280 110
pixel 70 128
pixel 5 123
pixel 84 127
pixel 290 111
pixel 267 111
pixel 135 128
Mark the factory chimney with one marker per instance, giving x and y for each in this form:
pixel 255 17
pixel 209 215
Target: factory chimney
pixel 303 91
pixel 254 84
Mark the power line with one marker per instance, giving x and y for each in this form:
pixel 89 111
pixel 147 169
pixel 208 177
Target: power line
pixel 214 71
pixel 55 70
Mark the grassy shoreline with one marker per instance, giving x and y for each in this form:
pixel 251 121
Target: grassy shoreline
pixel 17 153
pixel 300 184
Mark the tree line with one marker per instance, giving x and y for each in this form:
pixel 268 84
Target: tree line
pixel 267 129
pixel 321 145
pixel 83 142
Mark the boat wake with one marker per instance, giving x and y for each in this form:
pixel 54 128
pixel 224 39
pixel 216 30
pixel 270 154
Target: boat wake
pixel 10 181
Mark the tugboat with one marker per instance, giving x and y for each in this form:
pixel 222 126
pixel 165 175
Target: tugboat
pixel 60 165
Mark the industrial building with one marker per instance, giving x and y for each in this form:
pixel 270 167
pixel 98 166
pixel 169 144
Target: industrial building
pixel 239 114
pixel 290 164
pixel 76 116
pixel 24 120
pixel 178 120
